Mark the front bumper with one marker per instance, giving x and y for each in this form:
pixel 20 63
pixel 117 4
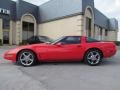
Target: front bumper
pixel 11 57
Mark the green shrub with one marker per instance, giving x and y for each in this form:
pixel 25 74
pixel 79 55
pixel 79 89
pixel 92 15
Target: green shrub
pixel 0 42
pixel 117 43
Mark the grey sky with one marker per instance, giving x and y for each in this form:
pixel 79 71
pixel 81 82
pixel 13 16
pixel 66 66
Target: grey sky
pixel 36 2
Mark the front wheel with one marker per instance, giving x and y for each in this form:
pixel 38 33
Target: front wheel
pixel 93 57
pixel 26 58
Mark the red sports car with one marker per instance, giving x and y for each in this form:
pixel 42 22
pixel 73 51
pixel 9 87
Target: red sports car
pixel 65 49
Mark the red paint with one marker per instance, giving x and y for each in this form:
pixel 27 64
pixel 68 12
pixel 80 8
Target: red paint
pixel 57 53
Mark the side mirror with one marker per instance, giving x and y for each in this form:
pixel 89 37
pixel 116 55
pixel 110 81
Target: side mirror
pixel 47 42
pixel 59 44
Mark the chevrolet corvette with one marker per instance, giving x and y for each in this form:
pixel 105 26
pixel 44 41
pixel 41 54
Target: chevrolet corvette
pixel 65 49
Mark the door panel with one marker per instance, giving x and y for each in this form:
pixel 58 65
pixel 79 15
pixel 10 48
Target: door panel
pixel 66 49
pixel 52 53
pixel 62 53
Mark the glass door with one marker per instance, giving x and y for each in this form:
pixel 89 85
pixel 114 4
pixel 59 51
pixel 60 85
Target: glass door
pixel 28 30
pixel 88 27
pixel 6 37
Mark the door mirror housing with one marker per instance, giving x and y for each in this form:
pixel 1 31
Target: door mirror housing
pixel 47 42
pixel 59 44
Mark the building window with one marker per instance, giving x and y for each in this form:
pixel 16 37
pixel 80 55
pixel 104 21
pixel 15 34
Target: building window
pixel 106 32
pixel 94 33
pixel 100 31
pixel 88 26
pixel 28 30
pixel 5 37
pixel 6 24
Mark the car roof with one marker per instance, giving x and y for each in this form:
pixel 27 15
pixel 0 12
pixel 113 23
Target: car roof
pixel 74 36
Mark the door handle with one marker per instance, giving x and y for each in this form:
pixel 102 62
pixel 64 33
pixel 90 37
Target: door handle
pixel 79 46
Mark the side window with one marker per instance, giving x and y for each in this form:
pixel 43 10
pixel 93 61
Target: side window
pixel 90 40
pixel 71 40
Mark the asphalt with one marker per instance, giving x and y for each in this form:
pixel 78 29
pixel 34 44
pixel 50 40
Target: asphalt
pixel 60 76
pixel 11 78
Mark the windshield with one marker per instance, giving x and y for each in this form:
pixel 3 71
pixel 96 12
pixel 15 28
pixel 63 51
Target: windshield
pixel 46 39
pixel 57 40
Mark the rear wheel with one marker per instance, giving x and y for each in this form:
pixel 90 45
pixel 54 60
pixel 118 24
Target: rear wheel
pixel 26 58
pixel 93 57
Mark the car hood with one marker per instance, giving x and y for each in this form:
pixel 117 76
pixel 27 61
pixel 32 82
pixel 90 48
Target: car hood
pixel 32 47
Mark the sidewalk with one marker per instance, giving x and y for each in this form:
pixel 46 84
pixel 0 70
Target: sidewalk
pixel 119 47
pixel 8 47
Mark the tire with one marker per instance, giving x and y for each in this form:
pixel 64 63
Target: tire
pixel 26 58
pixel 93 57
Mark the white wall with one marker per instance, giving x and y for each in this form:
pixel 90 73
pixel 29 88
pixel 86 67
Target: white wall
pixel 67 26
pixel 119 35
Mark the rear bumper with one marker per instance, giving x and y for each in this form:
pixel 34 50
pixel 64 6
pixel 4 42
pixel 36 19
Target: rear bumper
pixel 109 53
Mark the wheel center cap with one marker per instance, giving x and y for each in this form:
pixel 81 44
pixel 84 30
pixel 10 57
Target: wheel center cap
pixel 93 58
pixel 26 58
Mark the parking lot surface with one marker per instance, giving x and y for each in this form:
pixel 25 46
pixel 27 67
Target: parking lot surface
pixel 60 76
